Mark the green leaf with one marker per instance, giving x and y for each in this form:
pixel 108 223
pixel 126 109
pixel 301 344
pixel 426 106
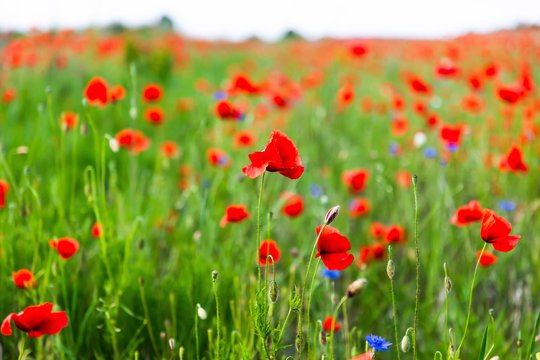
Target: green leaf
pixel 484 343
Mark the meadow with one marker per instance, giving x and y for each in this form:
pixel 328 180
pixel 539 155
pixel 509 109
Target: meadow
pixel 171 198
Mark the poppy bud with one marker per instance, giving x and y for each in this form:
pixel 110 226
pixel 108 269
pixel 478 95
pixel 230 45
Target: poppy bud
pixel 322 338
pixel 201 313
pixel 214 275
pixel 447 284
pixel 356 287
pixel 390 269
pixel 331 215
pixel 273 291
pixel 405 343
pixel 172 344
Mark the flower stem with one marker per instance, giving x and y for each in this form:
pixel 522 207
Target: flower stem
pixel 392 292
pixel 257 255
pixel 218 332
pixel 470 298
pixel 341 302
pixel 417 297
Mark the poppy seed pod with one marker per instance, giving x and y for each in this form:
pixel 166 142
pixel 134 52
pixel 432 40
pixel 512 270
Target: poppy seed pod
pixel 331 215
pixel 356 287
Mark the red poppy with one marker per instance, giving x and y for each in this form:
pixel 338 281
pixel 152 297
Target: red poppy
pixel 242 84
pixel 359 207
pixel 169 149
pixel 487 258
pixel 355 180
pixel 24 279
pixel 404 179
pixel 395 234
pixel 96 92
pixel 132 140
pixel 330 323
pixel 225 110
pixel 154 115
pixel 244 138
pixel 234 214
pixel 333 248
pixel 369 253
pixel 365 356
pixel 451 134
pixel 279 155
pixel 496 231
pixel 269 248
pixel 66 247
pixel 418 85
pixel 491 70
pixel 68 120
pixel 446 68
pixel 9 95
pixel 294 205
pixel 218 157
pixel 358 50
pixel 4 189
pixel 97 230
pixel 152 93
pixel 513 161
pixel 475 82
pixel 377 230
pixel 400 125
pixel 432 120
pixel 117 93
pixel 345 95
pixel 467 214
pixel 37 320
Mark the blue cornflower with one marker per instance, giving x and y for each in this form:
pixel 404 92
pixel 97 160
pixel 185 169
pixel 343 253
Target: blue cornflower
pixel 430 152
pixel 315 190
pixel 507 205
pixel 452 147
pixel 394 149
pixel 220 95
pixel 331 274
pixel 378 343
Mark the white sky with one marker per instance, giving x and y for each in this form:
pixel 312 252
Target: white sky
pixel 269 19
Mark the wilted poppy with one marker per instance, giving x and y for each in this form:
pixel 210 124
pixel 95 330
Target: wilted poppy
pixel 4 189
pixel 330 324
pixel 97 92
pixel 496 230
pixel 24 279
pixel 333 249
pixel 486 258
pixel 234 214
pixel 152 93
pixel 269 248
pixel 66 247
pixel 294 205
pixel 355 180
pixel 279 155
pixel 37 320
pixel 467 214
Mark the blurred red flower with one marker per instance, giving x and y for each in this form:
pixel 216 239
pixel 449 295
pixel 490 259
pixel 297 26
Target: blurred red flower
pixel 487 258
pixel 244 138
pixel 96 231
pixel 66 247
pixel 279 155
pixel 269 248
pixel 169 149
pixel 496 230
pixel 152 92
pixel 333 248
pixel 513 161
pixel 395 234
pixel 218 157
pixel 154 115
pixel 359 207
pixel 4 189
pixel 369 253
pixel 24 279
pixel 294 204
pixel 96 92
pixel 467 214
pixel 234 214
pixel 117 93
pixel 355 180
pixel 68 120
pixel 330 323
pixel 132 140
pixel 37 320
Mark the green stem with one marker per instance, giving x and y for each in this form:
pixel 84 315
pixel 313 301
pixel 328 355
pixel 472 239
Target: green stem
pixel 218 326
pixel 394 310
pixel 147 316
pixel 470 299
pixel 341 302
pixel 417 297
pixel 257 253
pixel 197 334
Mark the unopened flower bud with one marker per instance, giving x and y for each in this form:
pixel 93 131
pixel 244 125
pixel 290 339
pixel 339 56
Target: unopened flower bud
pixel 322 338
pixel 390 269
pixel 215 275
pixel 356 287
pixel 172 344
pixel 405 343
pixel 273 291
pixel 201 313
pixel 331 215
pixel 447 284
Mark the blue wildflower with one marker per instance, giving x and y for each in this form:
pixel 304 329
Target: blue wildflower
pixel 220 95
pixel 378 343
pixel 452 147
pixel 315 190
pixel 430 152
pixel 507 205
pixel 331 274
pixel 394 149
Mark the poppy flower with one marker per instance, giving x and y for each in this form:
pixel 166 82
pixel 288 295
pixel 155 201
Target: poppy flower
pixel 294 205
pixel 369 253
pixel 377 230
pixel 152 93
pixel 400 125
pixel 365 356
pixel 225 110
pixel 330 323
pixel 117 93
pixel 404 179
pixel 242 84
pixel 24 279
pixel 359 207
pixel 269 248
pixel 355 180
pixel 467 214
pixel 4 189
pixel 491 70
pixel 496 231
pixel 510 94
pixel 446 68
pixel 475 82
pixel 332 249
pixel 66 247
pixel 68 120
pixel 345 95
pixel 513 161
pixel 358 50
pixel 37 320
pixel 218 157
pixel 451 134
pixel 154 116
pixel 486 258
pixel 244 138
pixel 132 140
pixel 9 95
pixel 96 92
pixel 279 155
pixel 417 85
pixel 96 231
pixel 169 149
pixel 395 234
pixel 234 214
